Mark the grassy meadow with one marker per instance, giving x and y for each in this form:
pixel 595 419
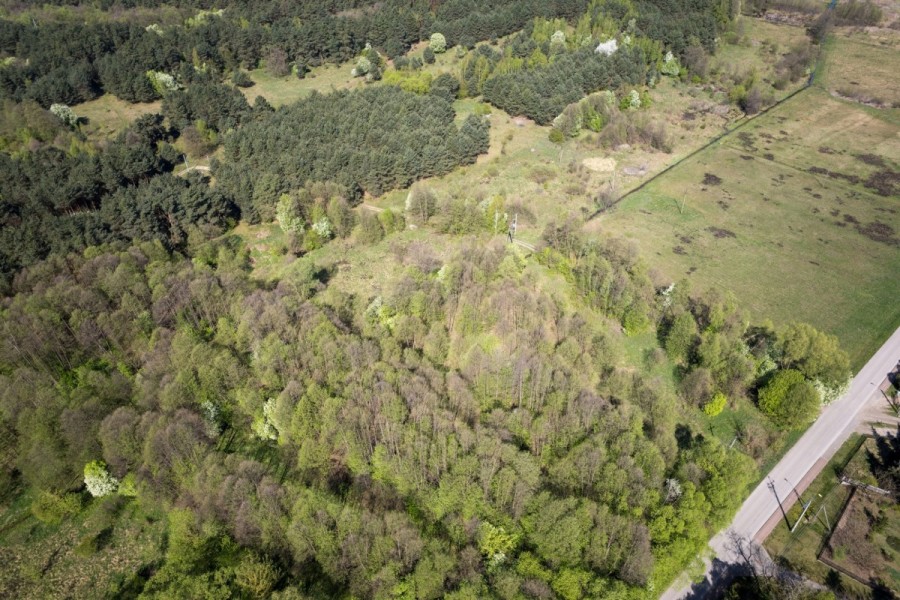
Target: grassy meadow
pixel 107 115
pixel 747 215
pixel 859 68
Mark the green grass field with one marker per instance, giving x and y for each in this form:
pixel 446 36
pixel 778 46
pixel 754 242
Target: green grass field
pixel 791 244
pixel 861 69
pixel 285 90
pixel 107 115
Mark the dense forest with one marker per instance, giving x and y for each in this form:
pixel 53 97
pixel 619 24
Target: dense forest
pixel 466 434
pixel 473 429
pixel 372 141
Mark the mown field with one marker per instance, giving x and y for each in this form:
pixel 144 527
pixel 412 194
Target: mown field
pixel 796 214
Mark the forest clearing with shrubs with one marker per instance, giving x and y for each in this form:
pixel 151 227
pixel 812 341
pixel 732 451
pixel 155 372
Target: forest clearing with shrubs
pixel 262 334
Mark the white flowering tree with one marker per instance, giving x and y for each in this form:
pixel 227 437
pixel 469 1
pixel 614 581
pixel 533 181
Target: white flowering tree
pixel 632 100
pixel 211 414
pixel 263 426
pixel 437 43
pixel 830 393
pixel 558 41
pixel 670 65
pixel 287 213
pixel 65 114
pixel 322 227
pixel 607 48
pixel 163 83
pixel 98 480
pixel 363 66
pixel 673 490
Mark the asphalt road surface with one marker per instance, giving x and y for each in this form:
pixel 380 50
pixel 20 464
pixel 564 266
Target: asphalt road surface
pixel 821 441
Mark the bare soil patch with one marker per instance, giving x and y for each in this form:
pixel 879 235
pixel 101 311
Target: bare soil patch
pixel 600 164
pixel 721 233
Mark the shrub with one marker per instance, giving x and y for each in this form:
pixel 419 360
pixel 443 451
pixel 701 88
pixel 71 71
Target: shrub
pixel 697 386
pixel 421 204
pixel 696 60
pixel 128 486
pixel 65 114
pixel 789 400
pixel 199 140
pixel 277 62
pixel 670 66
pixel 715 406
pixel 163 83
pixel 52 508
pixel 557 136
pixel 635 320
pixel 288 215
pixel 428 55
pixel 241 79
pixel 681 337
pixel 370 230
pixel 857 13
pixel 437 43
pixel 417 82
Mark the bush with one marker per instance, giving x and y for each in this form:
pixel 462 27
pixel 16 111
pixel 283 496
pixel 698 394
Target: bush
pixel 428 55
pixel 421 204
pixel 417 82
pixel 65 114
pixel 789 400
pixel 369 230
pixel 715 406
pixel 52 508
pixel 241 79
pixel 437 43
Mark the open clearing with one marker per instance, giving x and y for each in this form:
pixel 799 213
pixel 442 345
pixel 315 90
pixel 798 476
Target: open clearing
pixel 285 90
pixel 862 70
pixel 791 244
pixel 107 115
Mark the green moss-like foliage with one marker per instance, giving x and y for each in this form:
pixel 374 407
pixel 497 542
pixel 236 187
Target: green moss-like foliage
pixel 789 400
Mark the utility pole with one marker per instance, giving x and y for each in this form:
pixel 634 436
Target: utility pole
pixel 824 509
pixel 771 486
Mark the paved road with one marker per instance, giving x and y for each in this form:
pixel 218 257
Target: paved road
pixel 821 441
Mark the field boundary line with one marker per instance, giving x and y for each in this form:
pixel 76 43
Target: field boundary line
pixel 694 153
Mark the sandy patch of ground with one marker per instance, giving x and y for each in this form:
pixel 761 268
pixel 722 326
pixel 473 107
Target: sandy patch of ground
pixel 600 164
